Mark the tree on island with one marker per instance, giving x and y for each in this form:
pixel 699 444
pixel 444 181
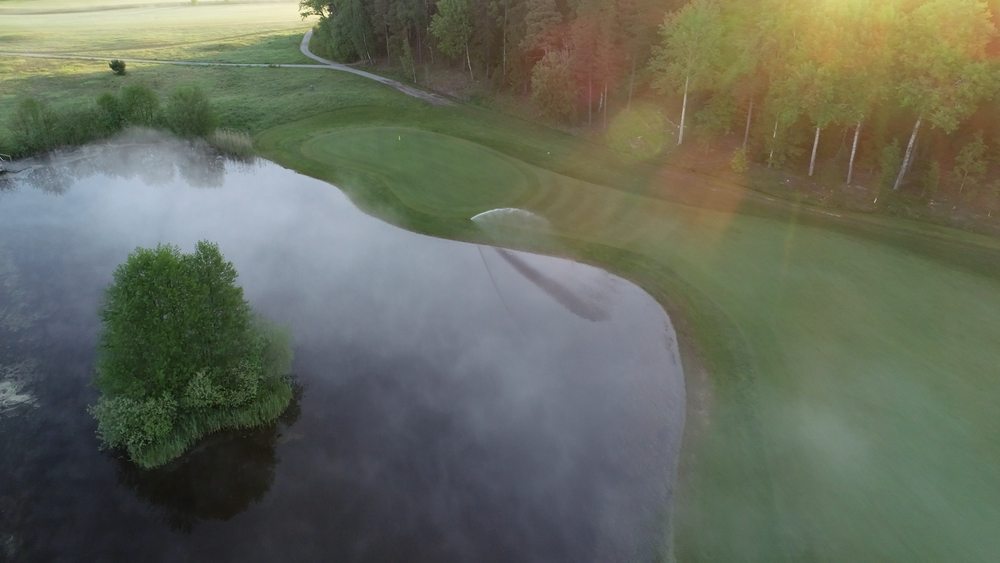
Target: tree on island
pixel 182 355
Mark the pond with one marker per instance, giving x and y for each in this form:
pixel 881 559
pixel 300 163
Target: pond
pixel 455 402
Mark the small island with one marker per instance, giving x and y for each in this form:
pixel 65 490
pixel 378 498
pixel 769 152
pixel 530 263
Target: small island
pixel 182 355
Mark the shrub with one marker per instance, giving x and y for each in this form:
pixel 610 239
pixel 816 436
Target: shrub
pixel 134 423
pixel 189 112
pixel 109 108
pixel 739 163
pixel 79 126
pixel 181 355
pixel 971 163
pixel 117 66
pixel 406 60
pixel 139 105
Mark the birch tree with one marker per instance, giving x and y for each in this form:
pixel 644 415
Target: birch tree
pixel 865 63
pixel 689 41
pixel 943 64
pixel 452 27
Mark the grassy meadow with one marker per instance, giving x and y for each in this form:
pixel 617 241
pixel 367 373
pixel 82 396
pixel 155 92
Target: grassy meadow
pixel 843 370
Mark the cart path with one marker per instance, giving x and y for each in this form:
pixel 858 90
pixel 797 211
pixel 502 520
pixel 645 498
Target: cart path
pixel 324 64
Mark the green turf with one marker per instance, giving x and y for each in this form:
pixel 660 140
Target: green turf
pixel 850 409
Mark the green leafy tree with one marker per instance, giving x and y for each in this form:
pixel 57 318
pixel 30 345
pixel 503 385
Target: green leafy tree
pixel 189 112
pixel 865 73
pixel 33 126
pixel 542 33
pixel 689 44
pixel 117 66
pixel 406 60
pixel 971 163
pixel 139 105
pixel 452 27
pixel 181 355
pixel 943 65
pixel 110 109
pixel 637 21
pixel 319 8
pixel 552 85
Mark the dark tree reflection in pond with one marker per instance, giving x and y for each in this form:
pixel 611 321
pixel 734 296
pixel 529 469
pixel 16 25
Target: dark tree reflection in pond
pixel 219 478
pixel 459 405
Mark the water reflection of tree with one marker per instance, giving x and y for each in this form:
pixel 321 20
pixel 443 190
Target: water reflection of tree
pixel 219 478
pixel 156 161
pixel 561 293
pixel 50 179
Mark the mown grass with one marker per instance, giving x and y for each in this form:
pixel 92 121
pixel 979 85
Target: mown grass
pixel 850 408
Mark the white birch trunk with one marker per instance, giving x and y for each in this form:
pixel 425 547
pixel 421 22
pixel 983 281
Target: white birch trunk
pixel 812 160
pixel 505 43
pixel 684 107
pixel 854 152
pixel 468 60
pixel 746 132
pixel 631 85
pixel 605 124
pixel 590 100
pixel 909 154
pixel 774 141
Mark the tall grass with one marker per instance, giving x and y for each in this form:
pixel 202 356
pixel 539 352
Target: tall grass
pixel 237 144
pixel 272 399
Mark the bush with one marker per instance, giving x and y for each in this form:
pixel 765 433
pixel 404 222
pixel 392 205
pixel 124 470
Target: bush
pixel 189 112
pixel 139 105
pixel 117 66
pixel 181 355
pixel 739 163
pixel 109 108
pixel 79 126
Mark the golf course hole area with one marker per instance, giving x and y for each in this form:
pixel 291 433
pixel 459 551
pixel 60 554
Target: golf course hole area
pixel 429 172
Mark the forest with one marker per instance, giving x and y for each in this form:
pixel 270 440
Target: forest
pixel 906 92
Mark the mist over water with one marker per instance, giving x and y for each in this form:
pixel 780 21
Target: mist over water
pixel 457 402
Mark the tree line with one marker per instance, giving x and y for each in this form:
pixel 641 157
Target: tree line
pixel 898 86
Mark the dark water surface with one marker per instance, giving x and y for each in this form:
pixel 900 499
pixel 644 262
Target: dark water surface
pixel 457 402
